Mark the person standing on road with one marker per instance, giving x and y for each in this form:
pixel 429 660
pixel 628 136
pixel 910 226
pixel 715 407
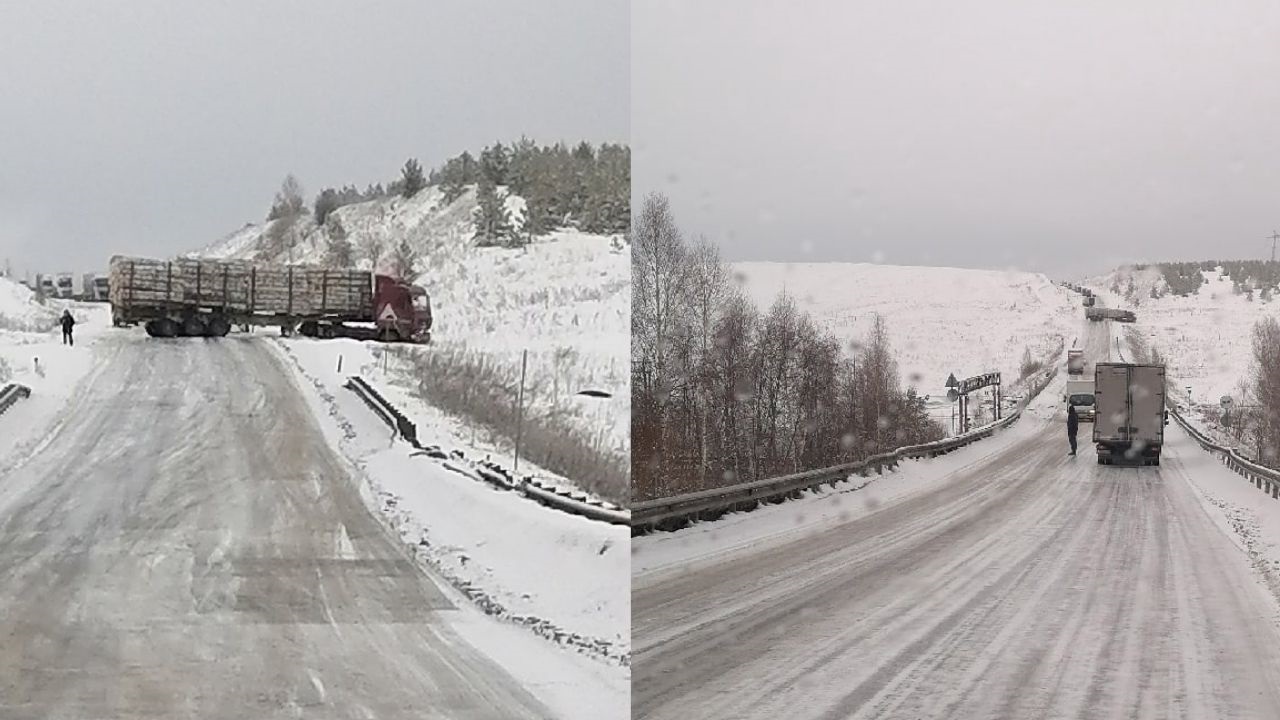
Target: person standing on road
pixel 67 323
pixel 1073 424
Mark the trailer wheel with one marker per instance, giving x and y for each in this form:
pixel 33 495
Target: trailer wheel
pixel 193 327
pixel 162 328
pixel 217 327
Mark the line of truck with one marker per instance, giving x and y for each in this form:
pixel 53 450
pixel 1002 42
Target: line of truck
pixel 93 288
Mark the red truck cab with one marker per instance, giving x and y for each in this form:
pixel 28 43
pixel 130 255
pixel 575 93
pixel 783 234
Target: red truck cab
pixel 401 311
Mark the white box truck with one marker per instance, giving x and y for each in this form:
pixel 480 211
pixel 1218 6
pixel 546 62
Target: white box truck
pixel 1130 414
pixel 1075 361
pixel 1079 393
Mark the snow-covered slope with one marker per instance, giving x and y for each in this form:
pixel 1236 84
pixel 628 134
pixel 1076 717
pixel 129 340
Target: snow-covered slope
pixel 425 219
pixel 940 320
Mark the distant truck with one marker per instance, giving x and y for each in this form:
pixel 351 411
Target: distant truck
pixel 1131 415
pixel 95 288
pixel 1079 394
pixel 200 297
pixel 1100 313
pixel 1075 361
pixel 1088 301
pixel 66 286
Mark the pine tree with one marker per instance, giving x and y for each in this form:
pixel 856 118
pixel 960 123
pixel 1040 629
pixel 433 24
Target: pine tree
pixel 411 178
pixel 494 164
pixel 492 220
pixel 535 214
pixel 289 200
pixel 454 180
pixel 404 260
pixel 338 250
pixel 326 202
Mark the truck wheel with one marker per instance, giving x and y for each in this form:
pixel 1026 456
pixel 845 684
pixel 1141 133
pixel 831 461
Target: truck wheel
pixel 162 328
pixel 193 327
pixel 217 327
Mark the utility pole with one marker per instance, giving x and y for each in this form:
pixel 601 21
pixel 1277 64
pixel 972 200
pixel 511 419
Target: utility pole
pixel 1274 236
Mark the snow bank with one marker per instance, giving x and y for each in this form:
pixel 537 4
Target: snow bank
pixel 940 320
pixel 52 370
pixel 19 310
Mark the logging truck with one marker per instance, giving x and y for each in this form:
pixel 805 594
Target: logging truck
pixel 205 298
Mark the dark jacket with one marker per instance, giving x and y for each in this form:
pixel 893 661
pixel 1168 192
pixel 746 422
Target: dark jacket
pixel 67 322
pixel 1073 420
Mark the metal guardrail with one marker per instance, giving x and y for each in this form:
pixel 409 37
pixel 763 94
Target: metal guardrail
pixel 568 501
pixel 11 394
pixel 1263 478
pixel 662 513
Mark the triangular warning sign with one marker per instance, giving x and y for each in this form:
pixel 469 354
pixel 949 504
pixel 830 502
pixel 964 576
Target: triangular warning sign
pixel 388 313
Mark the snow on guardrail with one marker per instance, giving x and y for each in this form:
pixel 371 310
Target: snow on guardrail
pixel 11 394
pixel 574 503
pixel 1263 478
pixel 675 511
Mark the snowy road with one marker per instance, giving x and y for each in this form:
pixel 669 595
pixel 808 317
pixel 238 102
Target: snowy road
pixel 187 546
pixel 1026 585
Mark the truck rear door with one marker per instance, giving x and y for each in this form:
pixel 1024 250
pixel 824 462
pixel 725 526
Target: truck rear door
pixel 1111 403
pixel 1146 388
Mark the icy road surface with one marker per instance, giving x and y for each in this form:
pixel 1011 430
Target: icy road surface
pixel 186 545
pixel 1026 585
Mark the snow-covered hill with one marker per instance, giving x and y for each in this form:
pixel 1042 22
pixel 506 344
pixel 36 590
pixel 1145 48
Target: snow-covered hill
pixel 1205 337
pixel 940 320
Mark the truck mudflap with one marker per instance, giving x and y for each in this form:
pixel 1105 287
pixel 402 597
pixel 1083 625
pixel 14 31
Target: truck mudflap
pixel 1125 455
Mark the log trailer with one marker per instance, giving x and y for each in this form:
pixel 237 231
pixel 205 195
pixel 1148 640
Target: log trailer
pixel 190 297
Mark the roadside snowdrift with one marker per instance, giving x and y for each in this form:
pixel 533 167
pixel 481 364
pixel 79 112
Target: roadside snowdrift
pixel 19 310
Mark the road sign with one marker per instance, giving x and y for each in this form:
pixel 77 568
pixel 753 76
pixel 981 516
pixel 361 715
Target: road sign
pixel 979 381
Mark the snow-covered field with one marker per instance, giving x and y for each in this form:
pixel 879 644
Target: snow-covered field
pixel 565 578
pixel 940 320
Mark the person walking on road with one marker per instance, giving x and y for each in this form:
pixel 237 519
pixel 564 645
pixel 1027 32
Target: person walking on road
pixel 1073 424
pixel 68 322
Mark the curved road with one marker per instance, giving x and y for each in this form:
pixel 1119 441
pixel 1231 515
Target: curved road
pixel 187 546
pixel 1027 585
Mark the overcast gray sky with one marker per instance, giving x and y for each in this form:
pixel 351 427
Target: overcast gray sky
pixel 156 127
pixel 1057 136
